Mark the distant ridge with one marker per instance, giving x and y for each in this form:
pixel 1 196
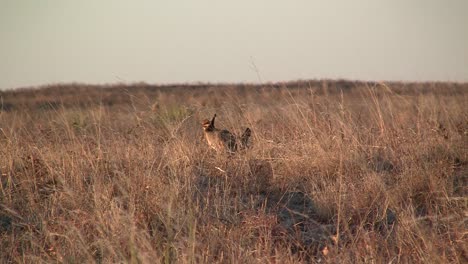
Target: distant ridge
pixel 82 95
pixel 344 83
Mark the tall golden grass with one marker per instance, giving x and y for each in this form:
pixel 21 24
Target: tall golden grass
pixel 337 173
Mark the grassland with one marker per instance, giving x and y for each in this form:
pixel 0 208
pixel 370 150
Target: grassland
pixel 339 172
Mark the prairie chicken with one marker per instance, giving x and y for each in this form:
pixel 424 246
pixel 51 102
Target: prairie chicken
pixel 223 140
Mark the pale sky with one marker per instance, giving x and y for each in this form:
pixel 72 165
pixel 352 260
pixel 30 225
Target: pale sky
pixel 175 41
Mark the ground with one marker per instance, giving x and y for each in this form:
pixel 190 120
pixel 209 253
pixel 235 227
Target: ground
pixel 338 172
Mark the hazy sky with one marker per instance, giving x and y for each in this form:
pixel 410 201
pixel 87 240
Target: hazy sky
pixel 163 41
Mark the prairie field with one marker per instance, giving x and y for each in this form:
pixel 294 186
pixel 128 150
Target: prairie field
pixel 337 172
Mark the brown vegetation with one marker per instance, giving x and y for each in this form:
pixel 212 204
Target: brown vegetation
pixel 338 172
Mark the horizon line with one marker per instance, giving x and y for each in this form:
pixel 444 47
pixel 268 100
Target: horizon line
pixel 226 83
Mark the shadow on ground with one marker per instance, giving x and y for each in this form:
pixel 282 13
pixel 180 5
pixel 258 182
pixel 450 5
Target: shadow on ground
pixel 248 190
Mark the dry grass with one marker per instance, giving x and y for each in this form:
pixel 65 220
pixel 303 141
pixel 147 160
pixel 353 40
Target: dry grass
pixel 360 174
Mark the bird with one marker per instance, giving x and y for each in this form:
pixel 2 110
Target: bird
pixel 222 140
